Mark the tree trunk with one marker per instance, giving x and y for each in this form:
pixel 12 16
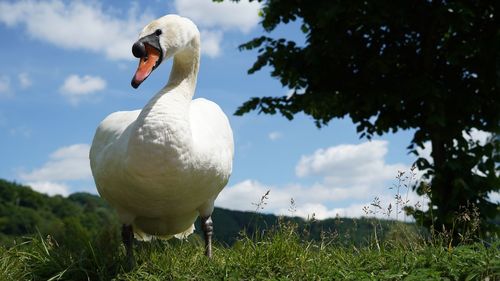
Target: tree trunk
pixel 441 187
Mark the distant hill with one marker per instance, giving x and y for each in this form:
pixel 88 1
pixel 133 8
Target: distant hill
pixel 25 212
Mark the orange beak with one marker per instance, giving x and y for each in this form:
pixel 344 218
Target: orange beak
pixel 146 65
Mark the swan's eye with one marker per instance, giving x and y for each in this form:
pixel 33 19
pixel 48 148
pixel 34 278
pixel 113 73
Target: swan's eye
pixel 158 32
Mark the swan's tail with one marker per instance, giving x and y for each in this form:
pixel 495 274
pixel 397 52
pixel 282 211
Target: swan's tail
pixel 142 236
pixel 186 233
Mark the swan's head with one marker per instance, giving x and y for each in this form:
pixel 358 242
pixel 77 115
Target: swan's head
pixel 160 40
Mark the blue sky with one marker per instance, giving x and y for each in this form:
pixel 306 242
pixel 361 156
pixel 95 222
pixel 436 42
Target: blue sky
pixel 67 64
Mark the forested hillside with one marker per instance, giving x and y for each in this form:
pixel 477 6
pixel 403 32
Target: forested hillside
pixel 24 212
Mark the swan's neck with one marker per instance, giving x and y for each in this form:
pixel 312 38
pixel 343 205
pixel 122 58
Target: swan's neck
pixel 184 73
pixel 162 131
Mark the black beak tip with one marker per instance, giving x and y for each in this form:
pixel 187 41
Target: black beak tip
pixel 135 84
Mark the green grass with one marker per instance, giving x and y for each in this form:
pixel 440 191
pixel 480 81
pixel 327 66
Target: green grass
pixel 279 254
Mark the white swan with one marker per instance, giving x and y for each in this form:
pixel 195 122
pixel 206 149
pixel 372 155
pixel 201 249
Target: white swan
pixel 162 166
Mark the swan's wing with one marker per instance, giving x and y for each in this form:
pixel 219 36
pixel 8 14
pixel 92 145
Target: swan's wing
pixel 108 133
pixel 212 137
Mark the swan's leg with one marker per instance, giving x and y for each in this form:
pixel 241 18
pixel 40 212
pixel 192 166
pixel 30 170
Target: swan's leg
pixel 208 230
pixel 128 240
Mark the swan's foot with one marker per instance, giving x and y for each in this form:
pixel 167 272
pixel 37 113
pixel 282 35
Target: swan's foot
pixel 208 230
pixel 128 240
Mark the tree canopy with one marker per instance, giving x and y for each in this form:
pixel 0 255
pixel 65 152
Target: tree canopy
pixel 431 66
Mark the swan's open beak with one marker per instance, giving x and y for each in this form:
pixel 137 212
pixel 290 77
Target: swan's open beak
pixel 147 64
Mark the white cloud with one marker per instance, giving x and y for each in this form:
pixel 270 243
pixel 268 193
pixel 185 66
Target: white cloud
pixel 5 86
pixel 210 42
pixel 426 151
pixel 66 163
pixel 494 196
pixel 24 80
pixel 77 25
pixel 49 188
pixel 69 164
pixel 214 19
pixel 241 195
pixel 275 135
pixel 476 135
pixel 349 174
pixel 357 209
pixel 349 164
pixel 291 92
pixel 242 16
pixel 309 200
pixel 76 88
pixel 320 211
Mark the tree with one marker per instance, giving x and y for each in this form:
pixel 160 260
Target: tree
pixel 430 66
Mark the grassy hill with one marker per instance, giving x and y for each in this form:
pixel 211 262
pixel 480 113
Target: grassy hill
pixel 279 254
pixel 77 238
